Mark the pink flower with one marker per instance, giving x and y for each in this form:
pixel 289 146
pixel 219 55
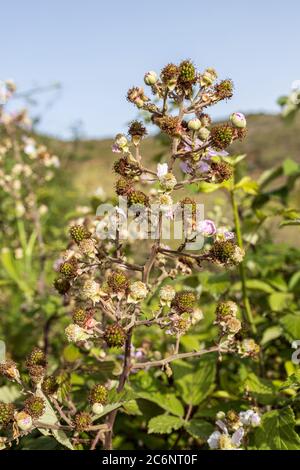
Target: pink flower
pixel 207 228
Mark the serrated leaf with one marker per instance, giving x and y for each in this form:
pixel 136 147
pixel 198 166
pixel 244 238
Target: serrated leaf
pixel 49 417
pixel 9 394
pixel 195 381
pixel 277 431
pixel 271 333
pixel 279 301
pixel 291 326
pixel 164 424
pixel 262 389
pixel 167 401
pixel 199 428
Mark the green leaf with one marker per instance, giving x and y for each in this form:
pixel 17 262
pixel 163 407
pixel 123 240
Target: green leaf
pixel 9 394
pixel 255 284
pixel 167 401
pixel 164 424
pixel 248 185
pixel 199 428
pixel 71 353
pixel 279 301
pixel 49 417
pixel 271 333
pixel 277 431
pixel 291 326
pixel 195 381
pixel 262 389
pixel 290 167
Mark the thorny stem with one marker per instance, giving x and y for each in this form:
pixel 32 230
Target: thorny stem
pixel 237 223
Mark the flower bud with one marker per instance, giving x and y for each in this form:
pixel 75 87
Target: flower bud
pixel 194 124
pixel 204 133
pixel 97 408
pixel 150 78
pixel 23 420
pixel 238 120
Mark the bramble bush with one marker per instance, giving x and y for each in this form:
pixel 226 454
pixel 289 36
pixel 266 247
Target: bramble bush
pixel 178 328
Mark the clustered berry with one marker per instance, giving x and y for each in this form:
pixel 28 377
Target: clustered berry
pixel 127 169
pixel 62 285
pixel 79 233
pixel 226 252
pixel 168 124
pixel 34 406
pixel 114 335
pixel 69 269
pixel 137 198
pixel 6 413
pixel 83 421
pixel 137 129
pixel 221 136
pixel 118 281
pixel 222 171
pixel 184 301
pixel 98 394
pixel 50 385
pixel 224 89
pixel 123 186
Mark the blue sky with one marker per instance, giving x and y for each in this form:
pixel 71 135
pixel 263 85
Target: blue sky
pixel 98 49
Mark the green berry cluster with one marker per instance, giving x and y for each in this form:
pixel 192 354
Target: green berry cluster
pixel 127 169
pixel 6 413
pixel 114 335
pixel 98 394
pixel 187 72
pixel 50 385
pixel 138 198
pixel 34 406
pixel 79 233
pixel 62 285
pixel 221 136
pixel 118 281
pixel 184 301
pixel 222 171
pixel 69 269
pixel 83 421
pixel 223 252
pixel 224 89
pixel 123 186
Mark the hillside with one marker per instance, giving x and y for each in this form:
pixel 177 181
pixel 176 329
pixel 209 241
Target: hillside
pixel 269 140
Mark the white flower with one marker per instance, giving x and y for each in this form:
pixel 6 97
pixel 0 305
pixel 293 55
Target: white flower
pixel 250 418
pixel 166 295
pixel 162 170
pixel 91 290
pixel 238 254
pixel 168 181
pixel 214 440
pixel 138 292
pixel 75 333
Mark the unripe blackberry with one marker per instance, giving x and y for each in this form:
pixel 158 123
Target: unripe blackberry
pixel 36 373
pixel 187 72
pixel 98 394
pixel 168 124
pixel 184 301
pixel 227 308
pixel 69 269
pixel 137 128
pixel 114 335
pixel 34 406
pixel 62 285
pixel 36 357
pixel 118 281
pixel 123 186
pixel 79 233
pixel 124 168
pixel 83 421
pixel 222 171
pixel 221 136
pixel 50 385
pixel 223 252
pixel 169 74
pixel 224 89
pixel 6 413
pixel 139 198
pixel 81 316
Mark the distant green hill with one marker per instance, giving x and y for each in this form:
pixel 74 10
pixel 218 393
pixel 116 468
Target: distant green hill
pixel 268 142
